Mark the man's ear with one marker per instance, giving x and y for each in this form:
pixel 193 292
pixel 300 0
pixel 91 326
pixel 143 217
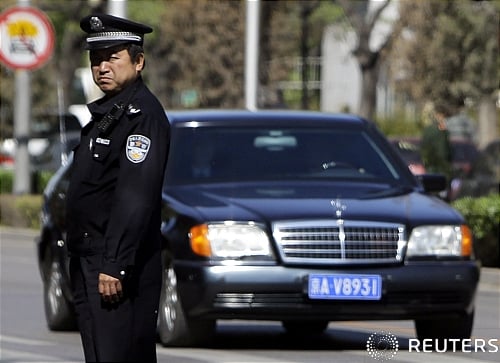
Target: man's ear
pixel 139 64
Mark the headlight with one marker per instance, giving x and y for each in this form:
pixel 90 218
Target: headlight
pixel 440 241
pixel 230 240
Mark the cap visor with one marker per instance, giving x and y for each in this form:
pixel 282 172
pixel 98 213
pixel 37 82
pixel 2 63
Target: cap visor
pixel 105 44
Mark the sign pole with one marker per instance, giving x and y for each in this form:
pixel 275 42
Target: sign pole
pixel 22 116
pixel 27 43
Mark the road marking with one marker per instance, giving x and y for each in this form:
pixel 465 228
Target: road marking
pixel 21 356
pixel 25 341
pixel 400 327
pixel 217 356
pixel 415 357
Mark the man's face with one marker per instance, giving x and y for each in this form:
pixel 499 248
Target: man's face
pixel 113 70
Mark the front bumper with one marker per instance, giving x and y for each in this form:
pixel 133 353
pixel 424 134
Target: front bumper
pixel 410 291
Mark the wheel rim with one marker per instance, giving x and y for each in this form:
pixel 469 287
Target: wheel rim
pixel 171 299
pixel 54 290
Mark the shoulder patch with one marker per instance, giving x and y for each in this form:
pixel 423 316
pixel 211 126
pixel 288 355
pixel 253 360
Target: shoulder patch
pixel 137 148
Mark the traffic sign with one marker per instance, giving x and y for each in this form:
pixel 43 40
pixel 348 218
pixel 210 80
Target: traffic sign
pixel 26 37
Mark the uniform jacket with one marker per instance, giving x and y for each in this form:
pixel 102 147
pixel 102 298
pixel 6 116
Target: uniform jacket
pixel 114 197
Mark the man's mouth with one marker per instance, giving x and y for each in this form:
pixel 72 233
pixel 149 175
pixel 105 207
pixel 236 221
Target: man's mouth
pixel 104 80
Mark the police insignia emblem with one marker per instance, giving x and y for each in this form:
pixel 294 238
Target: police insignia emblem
pixel 96 24
pixel 137 148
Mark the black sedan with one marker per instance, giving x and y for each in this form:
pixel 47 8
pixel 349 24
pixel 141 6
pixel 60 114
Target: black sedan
pixel 299 217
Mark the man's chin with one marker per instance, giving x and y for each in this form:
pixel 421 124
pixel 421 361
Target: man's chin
pixel 107 88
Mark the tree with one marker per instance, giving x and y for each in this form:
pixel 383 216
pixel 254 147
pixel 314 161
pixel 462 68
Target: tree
pixel 293 30
pixel 201 51
pixel 362 21
pixel 450 56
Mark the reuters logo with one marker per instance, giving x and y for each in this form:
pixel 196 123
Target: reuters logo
pixel 382 346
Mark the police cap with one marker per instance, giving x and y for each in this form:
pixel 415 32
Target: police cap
pixel 105 31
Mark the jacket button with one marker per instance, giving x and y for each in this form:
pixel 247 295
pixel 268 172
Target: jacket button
pixel 122 272
pixel 85 234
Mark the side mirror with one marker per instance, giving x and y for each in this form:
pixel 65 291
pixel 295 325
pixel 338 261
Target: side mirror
pixel 433 182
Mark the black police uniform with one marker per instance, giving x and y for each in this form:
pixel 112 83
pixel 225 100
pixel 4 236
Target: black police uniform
pixel 113 221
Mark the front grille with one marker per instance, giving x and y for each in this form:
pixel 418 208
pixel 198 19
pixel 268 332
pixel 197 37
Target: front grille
pixel 339 241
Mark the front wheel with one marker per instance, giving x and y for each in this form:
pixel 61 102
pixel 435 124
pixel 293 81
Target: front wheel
pixel 58 311
pixel 457 328
pixel 174 328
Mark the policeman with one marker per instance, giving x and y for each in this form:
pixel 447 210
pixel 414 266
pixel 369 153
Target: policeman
pixel 114 200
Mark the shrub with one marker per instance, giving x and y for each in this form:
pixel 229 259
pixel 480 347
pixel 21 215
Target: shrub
pixel 20 211
pixel 483 216
pixel 42 179
pixel 39 181
pixel 399 126
pixel 6 181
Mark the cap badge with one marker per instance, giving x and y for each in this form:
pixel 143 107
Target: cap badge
pixel 96 24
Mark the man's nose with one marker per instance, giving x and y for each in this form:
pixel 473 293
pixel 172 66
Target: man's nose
pixel 103 66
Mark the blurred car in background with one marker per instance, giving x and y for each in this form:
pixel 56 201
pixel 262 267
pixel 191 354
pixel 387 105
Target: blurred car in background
pixel 6 159
pixel 52 137
pixel 297 217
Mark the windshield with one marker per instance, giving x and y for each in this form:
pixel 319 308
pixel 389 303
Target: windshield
pixel 229 154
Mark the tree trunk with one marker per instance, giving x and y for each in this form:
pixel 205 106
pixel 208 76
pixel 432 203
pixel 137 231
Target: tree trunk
pixel 368 101
pixel 488 130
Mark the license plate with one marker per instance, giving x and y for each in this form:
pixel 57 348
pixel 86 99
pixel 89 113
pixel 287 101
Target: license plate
pixel 345 286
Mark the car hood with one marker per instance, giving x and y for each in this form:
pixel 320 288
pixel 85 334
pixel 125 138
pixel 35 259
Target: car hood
pixel 261 202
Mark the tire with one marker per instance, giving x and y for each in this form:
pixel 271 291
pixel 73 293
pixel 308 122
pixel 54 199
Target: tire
pixel 458 328
pixel 58 310
pixel 298 327
pixel 174 328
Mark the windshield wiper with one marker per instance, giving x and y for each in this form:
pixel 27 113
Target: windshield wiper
pixel 392 191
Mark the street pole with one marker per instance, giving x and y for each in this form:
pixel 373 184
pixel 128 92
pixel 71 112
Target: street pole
pixel 252 54
pixel 22 116
pixel 117 8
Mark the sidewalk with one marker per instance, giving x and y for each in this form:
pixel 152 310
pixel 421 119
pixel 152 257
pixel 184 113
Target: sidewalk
pixel 490 279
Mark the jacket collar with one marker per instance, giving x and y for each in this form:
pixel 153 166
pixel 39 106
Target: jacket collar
pixel 104 104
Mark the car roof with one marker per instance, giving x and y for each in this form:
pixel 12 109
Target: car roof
pixel 216 116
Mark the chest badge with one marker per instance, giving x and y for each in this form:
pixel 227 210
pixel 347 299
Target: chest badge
pixel 137 148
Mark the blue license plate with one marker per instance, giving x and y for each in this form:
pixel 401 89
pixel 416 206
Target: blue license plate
pixel 345 286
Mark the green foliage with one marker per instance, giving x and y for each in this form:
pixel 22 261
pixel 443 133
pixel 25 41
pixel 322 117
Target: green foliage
pixel 40 181
pixel 483 216
pixel 20 211
pixel 6 181
pixel 451 55
pixel 398 125
pixel 29 207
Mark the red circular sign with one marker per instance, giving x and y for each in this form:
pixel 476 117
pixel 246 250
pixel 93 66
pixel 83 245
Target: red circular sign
pixel 26 37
